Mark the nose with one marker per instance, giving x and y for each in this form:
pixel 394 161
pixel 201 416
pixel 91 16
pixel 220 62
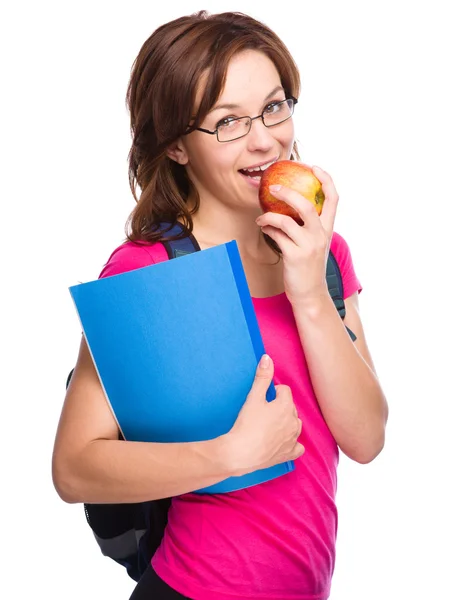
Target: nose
pixel 260 137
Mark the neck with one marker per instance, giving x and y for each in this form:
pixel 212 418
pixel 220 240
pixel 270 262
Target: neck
pixel 213 226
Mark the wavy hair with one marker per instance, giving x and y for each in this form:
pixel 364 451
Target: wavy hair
pixel 162 90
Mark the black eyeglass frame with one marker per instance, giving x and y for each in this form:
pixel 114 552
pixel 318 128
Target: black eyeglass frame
pixel 261 116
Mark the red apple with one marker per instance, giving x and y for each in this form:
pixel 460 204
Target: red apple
pixel 294 175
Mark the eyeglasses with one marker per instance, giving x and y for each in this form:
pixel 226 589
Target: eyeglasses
pixel 233 128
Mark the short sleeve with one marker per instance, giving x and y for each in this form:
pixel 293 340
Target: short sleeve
pixel 342 253
pixel 130 256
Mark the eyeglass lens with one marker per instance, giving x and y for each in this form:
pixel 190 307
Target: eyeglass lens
pixel 273 115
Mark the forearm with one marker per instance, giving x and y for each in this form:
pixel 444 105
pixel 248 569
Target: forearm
pixel 112 471
pixel 347 390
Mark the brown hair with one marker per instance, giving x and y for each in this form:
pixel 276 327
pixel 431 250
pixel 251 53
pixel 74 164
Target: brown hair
pixel 163 85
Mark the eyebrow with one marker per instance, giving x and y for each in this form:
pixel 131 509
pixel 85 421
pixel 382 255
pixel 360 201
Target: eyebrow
pixel 279 88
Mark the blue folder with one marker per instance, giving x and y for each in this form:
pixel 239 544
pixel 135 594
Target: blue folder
pixel 176 345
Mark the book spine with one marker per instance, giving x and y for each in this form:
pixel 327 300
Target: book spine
pixel 248 309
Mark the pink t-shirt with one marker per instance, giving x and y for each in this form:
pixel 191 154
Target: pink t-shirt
pixel 276 540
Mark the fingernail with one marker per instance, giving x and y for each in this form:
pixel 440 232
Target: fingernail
pixel 264 362
pixel 275 188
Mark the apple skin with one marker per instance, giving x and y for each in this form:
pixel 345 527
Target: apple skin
pixel 296 176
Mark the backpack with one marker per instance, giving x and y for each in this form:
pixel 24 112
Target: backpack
pixel 131 533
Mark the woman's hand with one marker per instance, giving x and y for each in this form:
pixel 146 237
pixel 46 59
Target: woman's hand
pixel 265 433
pixel 305 247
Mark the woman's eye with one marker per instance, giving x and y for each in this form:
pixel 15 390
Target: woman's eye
pixel 226 123
pixel 273 107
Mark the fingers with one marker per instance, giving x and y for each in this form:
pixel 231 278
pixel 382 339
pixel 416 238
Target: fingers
pixel 330 205
pixel 300 428
pixel 272 222
pixel 278 236
pixel 304 208
pixel 284 393
pixel 263 378
pixel 288 225
pixel 298 451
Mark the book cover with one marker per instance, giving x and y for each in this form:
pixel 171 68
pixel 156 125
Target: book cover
pixel 176 346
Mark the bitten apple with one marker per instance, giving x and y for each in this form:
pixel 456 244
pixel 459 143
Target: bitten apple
pixel 294 175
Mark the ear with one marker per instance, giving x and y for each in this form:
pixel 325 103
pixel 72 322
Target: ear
pixel 177 152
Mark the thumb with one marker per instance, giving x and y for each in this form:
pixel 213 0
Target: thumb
pixel 263 377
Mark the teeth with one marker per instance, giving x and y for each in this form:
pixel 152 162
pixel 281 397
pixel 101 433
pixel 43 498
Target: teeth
pixel 262 167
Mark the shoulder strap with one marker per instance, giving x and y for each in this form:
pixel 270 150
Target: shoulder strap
pixel 335 284
pixel 180 247
pixel 336 289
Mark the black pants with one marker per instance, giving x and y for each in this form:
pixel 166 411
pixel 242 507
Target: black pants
pixel 151 587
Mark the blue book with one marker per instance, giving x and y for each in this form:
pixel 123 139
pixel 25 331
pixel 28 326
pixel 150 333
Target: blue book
pixel 176 346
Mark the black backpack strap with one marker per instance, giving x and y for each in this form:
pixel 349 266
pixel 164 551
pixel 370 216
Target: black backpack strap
pixel 336 289
pixel 179 247
pixel 69 377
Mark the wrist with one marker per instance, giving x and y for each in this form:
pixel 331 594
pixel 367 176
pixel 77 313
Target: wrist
pixel 224 451
pixel 313 304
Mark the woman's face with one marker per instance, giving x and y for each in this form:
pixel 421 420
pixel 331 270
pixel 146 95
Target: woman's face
pixel 215 167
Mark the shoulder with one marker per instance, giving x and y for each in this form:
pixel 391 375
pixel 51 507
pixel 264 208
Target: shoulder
pixel 339 247
pixel 129 256
pixel 342 253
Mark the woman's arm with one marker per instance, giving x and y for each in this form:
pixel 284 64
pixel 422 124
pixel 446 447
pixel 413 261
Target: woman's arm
pixel 90 464
pixel 342 372
pixel 343 376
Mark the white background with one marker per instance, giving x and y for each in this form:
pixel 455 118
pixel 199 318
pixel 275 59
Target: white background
pixel 379 110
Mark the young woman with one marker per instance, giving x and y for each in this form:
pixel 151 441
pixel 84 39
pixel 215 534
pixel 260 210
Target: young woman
pixel 211 99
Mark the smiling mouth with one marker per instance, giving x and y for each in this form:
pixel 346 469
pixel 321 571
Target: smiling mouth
pixel 256 172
